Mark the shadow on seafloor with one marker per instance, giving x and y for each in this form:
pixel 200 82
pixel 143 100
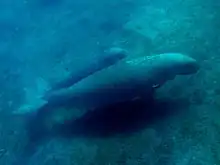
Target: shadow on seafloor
pixel 124 118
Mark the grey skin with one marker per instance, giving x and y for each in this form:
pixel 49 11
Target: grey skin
pixel 124 81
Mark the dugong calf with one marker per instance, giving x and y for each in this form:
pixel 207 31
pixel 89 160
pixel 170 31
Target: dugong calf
pixel 124 81
pixel 110 57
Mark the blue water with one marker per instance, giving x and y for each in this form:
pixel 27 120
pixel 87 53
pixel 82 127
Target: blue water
pixel 42 42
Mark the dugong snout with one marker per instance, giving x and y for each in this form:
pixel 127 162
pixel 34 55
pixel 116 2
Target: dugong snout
pixel 182 64
pixel 188 65
pixel 189 68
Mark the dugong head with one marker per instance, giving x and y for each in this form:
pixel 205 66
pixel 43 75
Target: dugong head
pixel 167 66
pixel 179 64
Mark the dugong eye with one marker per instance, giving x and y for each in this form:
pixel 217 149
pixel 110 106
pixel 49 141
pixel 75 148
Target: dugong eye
pixel 156 86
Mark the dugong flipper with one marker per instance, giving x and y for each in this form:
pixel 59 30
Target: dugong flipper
pixel 124 81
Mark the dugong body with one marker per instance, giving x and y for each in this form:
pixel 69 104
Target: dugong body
pixel 124 81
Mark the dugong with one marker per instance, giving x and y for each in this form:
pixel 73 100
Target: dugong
pixel 110 57
pixel 124 81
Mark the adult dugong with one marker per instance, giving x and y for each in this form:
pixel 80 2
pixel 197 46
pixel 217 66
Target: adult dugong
pixel 124 81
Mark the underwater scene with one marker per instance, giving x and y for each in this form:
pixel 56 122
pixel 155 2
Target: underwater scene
pixel 99 82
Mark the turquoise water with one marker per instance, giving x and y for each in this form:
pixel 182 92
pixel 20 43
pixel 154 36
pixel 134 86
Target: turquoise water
pixel 42 42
